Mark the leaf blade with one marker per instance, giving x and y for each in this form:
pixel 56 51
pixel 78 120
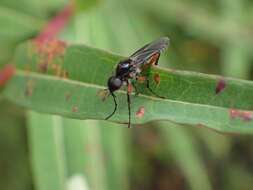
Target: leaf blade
pixel 87 72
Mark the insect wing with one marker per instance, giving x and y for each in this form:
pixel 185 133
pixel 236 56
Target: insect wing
pixel 142 55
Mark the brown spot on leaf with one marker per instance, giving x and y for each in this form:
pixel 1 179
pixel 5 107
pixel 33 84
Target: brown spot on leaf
pixel 42 67
pixel 199 125
pixel 74 109
pixel 6 73
pixel 103 94
pixel 247 115
pixel 67 96
pixel 65 74
pixel 27 69
pixel 29 88
pixel 141 79
pixel 221 85
pixel 140 113
pixel 157 78
pixel 234 113
pixel 129 88
pixel 244 115
pixel 51 54
pixel 51 49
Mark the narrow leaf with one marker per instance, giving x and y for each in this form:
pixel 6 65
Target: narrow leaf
pixel 47 150
pixel 65 80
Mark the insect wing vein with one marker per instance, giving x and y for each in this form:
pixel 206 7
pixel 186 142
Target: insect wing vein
pixel 142 55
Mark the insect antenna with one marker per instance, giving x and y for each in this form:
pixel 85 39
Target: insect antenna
pixel 129 110
pixel 115 106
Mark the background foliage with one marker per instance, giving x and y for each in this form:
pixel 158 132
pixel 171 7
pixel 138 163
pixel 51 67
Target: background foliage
pixel 40 151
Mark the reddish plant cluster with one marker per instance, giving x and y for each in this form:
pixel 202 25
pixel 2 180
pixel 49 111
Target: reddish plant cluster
pixel 157 78
pixel 6 73
pixel 48 47
pixel 142 79
pixel 54 26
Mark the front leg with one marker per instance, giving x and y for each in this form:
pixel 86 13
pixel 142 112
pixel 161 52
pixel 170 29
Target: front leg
pixel 151 90
pixel 146 79
pixel 135 89
pixel 129 102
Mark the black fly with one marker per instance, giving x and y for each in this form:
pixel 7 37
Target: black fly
pixel 132 67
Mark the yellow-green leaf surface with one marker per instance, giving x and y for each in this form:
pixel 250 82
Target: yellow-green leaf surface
pixel 65 79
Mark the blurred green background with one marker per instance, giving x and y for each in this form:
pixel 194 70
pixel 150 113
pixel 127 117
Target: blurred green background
pixel 47 152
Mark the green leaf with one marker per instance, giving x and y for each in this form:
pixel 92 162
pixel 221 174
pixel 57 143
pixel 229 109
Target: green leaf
pixel 84 152
pixel 47 151
pixel 185 152
pixel 82 5
pixel 14 162
pixel 16 26
pixel 35 8
pixel 65 80
pixel 116 147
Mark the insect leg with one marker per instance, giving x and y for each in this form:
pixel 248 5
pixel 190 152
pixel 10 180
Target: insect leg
pixel 129 105
pixel 115 106
pixel 157 59
pixel 150 89
pixel 136 90
pixel 154 59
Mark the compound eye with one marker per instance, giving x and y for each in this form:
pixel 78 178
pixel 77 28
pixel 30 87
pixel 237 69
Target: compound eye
pixel 114 83
pixel 125 65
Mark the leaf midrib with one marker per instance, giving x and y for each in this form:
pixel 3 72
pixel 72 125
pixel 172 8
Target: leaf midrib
pixel 99 87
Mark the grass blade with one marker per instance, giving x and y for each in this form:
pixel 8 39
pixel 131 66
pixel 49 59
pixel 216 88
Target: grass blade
pixel 47 149
pixel 84 152
pixel 184 150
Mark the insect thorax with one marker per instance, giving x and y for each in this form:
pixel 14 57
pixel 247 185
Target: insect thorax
pixel 123 68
